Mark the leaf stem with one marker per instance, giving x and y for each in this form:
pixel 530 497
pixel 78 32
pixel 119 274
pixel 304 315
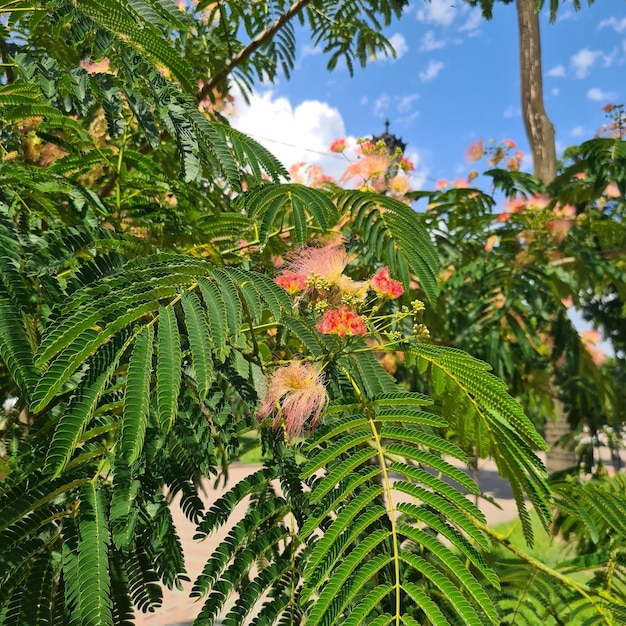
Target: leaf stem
pixel 388 491
pixel 582 589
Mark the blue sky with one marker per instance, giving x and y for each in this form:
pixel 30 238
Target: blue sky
pixel 455 78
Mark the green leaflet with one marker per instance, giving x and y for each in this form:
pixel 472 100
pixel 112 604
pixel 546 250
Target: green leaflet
pixel 72 357
pixel 147 39
pixel 199 342
pixel 94 604
pixel 137 397
pixel 343 573
pixel 367 523
pixel 168 369
pixel 216 317
pixel 164 548
pixel 26 606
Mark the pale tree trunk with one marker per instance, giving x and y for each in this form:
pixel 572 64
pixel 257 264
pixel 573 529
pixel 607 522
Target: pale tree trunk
pixel 540 133
pixel 539 129
pixel 561 453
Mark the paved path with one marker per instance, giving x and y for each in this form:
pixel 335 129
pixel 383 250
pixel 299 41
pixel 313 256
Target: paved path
pixel 180 610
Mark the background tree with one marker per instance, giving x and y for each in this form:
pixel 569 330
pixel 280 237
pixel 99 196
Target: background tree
pixel 539 128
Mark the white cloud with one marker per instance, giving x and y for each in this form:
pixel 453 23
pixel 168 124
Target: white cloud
pixel 429 42
pixel 292 133
pixel 418 177
pixel 609 59
pixel 401 106
pixel 407 120
pixel 432 70
pixel 440 12
pixel 557 71
pixel 472 23
pixel 563 15
pixel 511 111
pixel 597 95
pixel 381 105
pixel 399 45
pixel 304 132
pixel 555 91
pixel 405 103
pixel 577 131
pixel 310 51
pixel 364 100
pixel 615 24
pixel 583 61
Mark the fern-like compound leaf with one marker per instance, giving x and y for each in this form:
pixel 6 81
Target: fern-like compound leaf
pixel 512 435
pixel 15 349
pixel 168 369
pixel 94 603
pixel 394 233
pixel 198 332
pixel 136 399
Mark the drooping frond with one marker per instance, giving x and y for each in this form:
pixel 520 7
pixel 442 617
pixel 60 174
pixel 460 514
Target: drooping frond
pixel 280 208
pixel 511 435
pixel 15 348
pixel 393 233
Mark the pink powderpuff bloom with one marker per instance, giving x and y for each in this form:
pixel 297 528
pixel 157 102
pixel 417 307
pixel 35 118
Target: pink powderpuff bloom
pixel 538 202
pixel 297 172
pixel 399 186
pixel 491 242
pixel 327 262
pixel 589 339
pixel 339 145
pixel 296 395
pixel 513 164
pixel 612 191
pixel 516 205
pixel 406 165
pixel 370 169
pixel 475 151
pixel 385 286
pixel 503 217
pixel 441 183
pixel 566 211
pixel 510 144
pixel 291 282
pixel 342 322
pixel 558 229
pixel 353 288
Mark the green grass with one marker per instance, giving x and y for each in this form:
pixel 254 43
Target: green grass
pixel 546 549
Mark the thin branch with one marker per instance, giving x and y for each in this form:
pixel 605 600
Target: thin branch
pixel 614 253
pixel 591 595
pixel 251 48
